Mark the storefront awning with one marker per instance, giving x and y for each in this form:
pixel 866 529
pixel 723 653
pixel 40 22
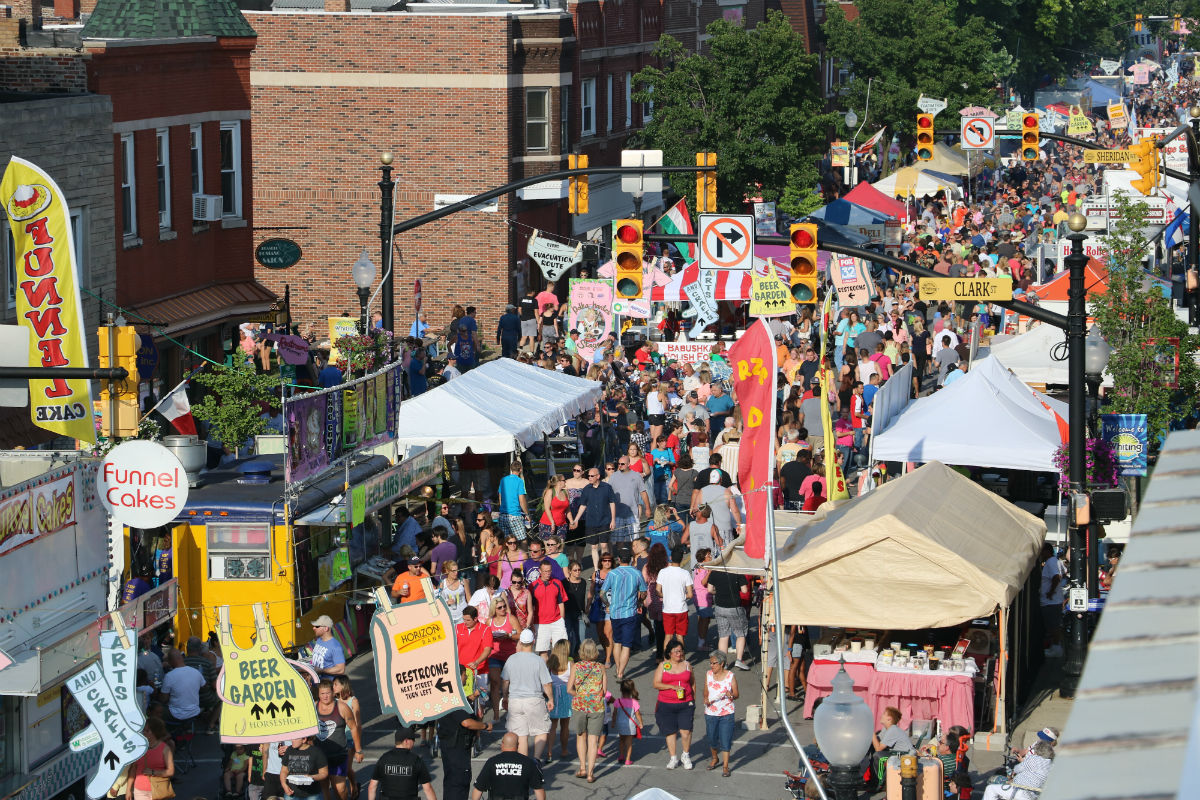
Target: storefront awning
pixel 210 305
pixel 52 656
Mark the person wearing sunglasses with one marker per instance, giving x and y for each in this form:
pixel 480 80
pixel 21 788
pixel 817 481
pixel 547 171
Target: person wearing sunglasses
pixel 574 542
pixel 597 510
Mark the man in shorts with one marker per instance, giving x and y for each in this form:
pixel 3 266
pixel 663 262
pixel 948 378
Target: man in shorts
pixel 726 590
pixel 530 696
pixel 551 597
pixel 633 501
pixel 597 509
pixel 625 588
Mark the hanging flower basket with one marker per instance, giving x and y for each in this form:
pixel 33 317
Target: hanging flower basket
pixel 1100 465
pixel 362 353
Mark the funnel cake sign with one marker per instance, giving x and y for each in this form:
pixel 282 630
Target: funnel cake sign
pixel 142 484
pixel 38 508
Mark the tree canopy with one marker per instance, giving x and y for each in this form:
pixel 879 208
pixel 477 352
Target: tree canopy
pixel 754 99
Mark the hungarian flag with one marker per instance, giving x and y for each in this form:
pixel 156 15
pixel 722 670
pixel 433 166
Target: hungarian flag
pixel 176 408
pixel 869 144
pixel 677 221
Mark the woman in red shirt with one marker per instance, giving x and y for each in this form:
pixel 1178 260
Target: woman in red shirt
pixel 158 762
pixel 506 631
pixel 555 503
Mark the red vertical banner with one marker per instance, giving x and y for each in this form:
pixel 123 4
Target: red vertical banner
pixel 754 370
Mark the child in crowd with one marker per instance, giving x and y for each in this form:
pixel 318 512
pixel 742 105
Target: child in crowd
pixel 236 771
pixel 627 720
pixel 704 608
pixel 608 718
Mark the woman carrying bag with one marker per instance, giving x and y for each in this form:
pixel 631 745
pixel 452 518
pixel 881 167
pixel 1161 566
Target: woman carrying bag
pixel 153 771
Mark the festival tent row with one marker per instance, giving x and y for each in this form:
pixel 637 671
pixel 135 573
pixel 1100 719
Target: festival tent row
pixel 498 407
pixel 912 182
pixel 987 418
pixel 868 196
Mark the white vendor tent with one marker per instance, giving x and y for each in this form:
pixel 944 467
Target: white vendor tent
pixel 498 407
pixel 987 418
pixel 1029 355
pixel 912 182
pixel 917 544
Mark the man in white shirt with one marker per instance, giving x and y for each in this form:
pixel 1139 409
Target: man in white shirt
pixel 181 689
pixel 1051 596
pixel 675 588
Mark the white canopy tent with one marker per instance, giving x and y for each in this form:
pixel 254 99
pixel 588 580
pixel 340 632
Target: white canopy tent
pixel 987 418
pixel 498 407
pixel 911 182
pixel 1029 355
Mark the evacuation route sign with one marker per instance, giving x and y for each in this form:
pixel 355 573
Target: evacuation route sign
pixel 416 659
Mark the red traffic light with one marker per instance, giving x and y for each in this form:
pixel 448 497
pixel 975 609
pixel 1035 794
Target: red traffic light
pixel 924 121
pixel 628 234
pixel 802 237
pixel 1030 121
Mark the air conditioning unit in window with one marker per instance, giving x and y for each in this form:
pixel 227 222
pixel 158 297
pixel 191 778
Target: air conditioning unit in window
pixel 207 207
pixel 244 568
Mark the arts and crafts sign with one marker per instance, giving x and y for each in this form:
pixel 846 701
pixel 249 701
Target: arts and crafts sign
pixel 47 298
pixel 854 286
pixel 325 426
pixel 34 511
pixel 700 287
pixel 416 658
pixel 591 315
pixel 1129 437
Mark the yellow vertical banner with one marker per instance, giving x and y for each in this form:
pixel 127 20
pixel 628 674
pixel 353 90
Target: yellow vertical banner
pixel 47 290
pixel 835 482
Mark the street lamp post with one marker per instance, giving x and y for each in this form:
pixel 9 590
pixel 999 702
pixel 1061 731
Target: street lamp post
pixel 387 304
pixel 1095 359
pixel 843 726
pixel 1076 448
pixel 363 273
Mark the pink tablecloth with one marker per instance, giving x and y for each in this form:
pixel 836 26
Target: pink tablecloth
pixel 820 681
pixel 945 696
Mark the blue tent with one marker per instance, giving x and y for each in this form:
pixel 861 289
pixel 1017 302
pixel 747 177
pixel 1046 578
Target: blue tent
pixel 844 212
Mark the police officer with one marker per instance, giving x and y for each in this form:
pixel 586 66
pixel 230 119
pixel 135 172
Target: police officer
pixel 509 775
pixel 400 773
pixel 457 731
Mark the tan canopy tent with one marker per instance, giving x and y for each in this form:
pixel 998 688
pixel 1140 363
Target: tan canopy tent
pixel 928 550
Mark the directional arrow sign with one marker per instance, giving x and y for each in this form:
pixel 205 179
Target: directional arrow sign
pixel 931 105
pixel 444 685
pixel 978 133
pixel 726 241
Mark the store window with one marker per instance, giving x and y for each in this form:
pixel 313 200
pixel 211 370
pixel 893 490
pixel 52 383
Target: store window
pixel 608 104
pixel 628 99
pixel 196 143
pixel 587 106
pixel 128 188
pixel 162 167
pixel 537 119
pixel 8 261
pixel 322 561
pixel 239 551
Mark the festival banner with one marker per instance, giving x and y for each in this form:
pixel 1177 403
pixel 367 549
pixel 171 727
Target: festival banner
pixel 34 511
pixel 263 697
pixel 835 482
pixel 1129 437
pixel 416 658
pixel 652 275
pixel 339 327
pixel 48 298
pixel 686 352
pixel 121 743
pixel 1078 124
pixel 753 358
pixel 1118 118
pixel 839 154
pixel 591 314
pixel 765 221
pixel 854 286
pixel 769 295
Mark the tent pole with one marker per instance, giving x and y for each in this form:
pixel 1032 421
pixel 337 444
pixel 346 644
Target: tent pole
pixel 778 608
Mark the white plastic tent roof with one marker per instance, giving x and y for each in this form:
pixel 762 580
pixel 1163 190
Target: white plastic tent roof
pixel 1028 355
pixel 988 418
pixel 495 408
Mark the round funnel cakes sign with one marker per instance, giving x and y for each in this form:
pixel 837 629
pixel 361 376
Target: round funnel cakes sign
pixel 142 484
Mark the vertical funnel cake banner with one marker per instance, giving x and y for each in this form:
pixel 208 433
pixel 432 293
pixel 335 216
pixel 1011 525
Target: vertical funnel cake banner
pixel 47 290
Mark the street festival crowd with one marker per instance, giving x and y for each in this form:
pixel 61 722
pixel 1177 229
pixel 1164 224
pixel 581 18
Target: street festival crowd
pixel 556 597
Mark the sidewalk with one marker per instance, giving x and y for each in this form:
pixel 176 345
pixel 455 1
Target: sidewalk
pixel 1044 708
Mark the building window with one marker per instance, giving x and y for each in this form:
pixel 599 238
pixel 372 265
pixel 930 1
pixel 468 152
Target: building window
pixel 537 119
pixel 231 168
pixel 587 107
pixel 79 235
pixel 628 99
pixel 648 106
pixel 8 259
pixel 162 143
pixel 196 139
pixel 564 115
pixel 608 106
pixel 128 188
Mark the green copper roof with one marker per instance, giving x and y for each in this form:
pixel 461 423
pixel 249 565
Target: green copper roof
pixel 165 19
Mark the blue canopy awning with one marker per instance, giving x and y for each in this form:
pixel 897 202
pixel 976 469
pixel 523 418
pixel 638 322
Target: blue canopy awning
pixel 845 212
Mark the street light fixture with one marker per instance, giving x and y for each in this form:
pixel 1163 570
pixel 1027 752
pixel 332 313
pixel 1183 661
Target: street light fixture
pixel 363 273
pixel 844 726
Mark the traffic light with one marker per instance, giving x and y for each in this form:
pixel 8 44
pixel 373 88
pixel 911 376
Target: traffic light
pixel 1177 23
pixel 577 187
pixel 1146 165
pixel 706 184
pixel 1029 136
pixel 924 137
pixel 118 348
pixel 1138 27
pixel 628 248
pixel 804 262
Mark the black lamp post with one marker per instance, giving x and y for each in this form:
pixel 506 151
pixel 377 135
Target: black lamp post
pixel 1076 621
pixel 363 272
pixel 387 304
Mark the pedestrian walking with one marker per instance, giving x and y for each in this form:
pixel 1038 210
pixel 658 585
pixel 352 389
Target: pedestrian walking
pixel 514 503
pixel 587 688
pixel 509 775
pixel 674 586
pixel 676 708
pixel 720 690
pixel 627 719
pixel 400 773
pixel 561 665
pixel 597 509
pixel 726 589
pixel 456 732
pixel 530 696
pixel 305 769
pixel 625 589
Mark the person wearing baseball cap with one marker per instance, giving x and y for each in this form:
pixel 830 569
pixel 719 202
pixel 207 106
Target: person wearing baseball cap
pixel 328 657
pixel 400 773
pixel 408 586
pixel 530 694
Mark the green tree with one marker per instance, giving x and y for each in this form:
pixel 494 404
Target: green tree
pixel 233 405
pixel 905 48
pixel 1137 321
pixel 753 99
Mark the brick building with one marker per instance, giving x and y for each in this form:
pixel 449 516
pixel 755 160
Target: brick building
pixel 335 83
pixel 178 75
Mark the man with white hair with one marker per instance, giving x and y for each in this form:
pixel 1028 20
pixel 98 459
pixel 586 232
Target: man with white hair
pixel 1027 777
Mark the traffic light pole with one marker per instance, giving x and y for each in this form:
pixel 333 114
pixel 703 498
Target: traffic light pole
pixel 66 373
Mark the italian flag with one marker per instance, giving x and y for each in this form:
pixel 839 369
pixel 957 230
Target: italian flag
pixel 677 221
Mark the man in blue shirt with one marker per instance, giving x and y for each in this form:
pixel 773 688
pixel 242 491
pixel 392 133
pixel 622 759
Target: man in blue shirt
pixel 508 331
pixel 514 508
pixel 719 405
pixel 328 657
pixel 625 589
pixel 598 510
pixel 407 529
pixel 870 390
pixel 329 376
